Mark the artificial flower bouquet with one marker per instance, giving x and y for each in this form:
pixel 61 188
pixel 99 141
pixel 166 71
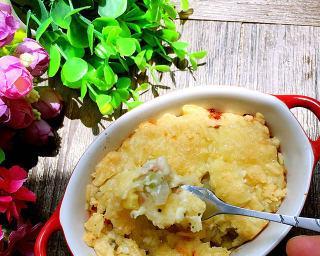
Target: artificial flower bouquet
pixel 26 111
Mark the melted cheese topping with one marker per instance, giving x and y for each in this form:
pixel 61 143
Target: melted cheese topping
pixel 136 207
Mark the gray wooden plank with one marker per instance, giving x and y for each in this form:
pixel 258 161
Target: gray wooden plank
pixel 269 58
pixel 297 12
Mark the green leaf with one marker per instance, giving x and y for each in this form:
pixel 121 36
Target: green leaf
pixel 124 64
pixel 135 95
pixel 134 27
pixel 126 46
pixel 74 69
pixel 101 51
pixel 117 67
pixel 133 104
pixel 162 68
pixel 194 63
pixel 68 50
pixel 169 23
pixel 2 156
pixel 109 76
pixel 73 85
pixel 169 35
pixel 90 31
pixel 184 5
pixel 74 11
pixel 125 30
pixel 58 12
pixel 140 60
pixel 104 50
pixel 199 54
pixel 124 94
pixel 77 33
pixel 134 14
pixel 102 22
pixel 43 11
pixel 142 87
pixel 112 8
pixel 123 83
pixel 55 58
pixel 28 30
pixel 149 53
pixel 111 33
pixel 116 99
pixel 43 27
pixel 83 90
pixel 180 45
pixel 104 104
pixel 170 11
pixel 96 77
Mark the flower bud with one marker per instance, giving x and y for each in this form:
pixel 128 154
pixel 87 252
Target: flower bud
pixel 21 114
pixel 33 56
pixel 38 133
pixel 49 104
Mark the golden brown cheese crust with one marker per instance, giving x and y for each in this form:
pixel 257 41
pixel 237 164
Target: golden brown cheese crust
pixel 235 153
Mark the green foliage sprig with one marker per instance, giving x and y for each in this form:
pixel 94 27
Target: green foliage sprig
pixel 107 48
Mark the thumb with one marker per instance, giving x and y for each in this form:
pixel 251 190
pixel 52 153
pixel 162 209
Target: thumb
pixel 304 246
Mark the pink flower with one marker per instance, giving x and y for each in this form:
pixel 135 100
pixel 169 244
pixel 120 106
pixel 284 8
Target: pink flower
pixel 38 133
pixel 13 195
pixel 8 24
pixel 21 241
pixel 4 111
pixel 21 114
pixel 33 56
pixel 15 79
pixel 49 104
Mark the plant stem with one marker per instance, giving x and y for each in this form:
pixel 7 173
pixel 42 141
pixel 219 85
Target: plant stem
pixel 35 19
pixel 88 22
pixel 91 89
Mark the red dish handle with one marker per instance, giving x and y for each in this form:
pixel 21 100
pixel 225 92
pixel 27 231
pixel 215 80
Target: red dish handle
pixel 313 105
pixel 51 226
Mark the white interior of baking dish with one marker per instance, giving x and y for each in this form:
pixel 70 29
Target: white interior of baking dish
pixel 295 147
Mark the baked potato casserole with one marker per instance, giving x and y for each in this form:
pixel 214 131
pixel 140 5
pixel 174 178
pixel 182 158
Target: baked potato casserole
pixel 134 201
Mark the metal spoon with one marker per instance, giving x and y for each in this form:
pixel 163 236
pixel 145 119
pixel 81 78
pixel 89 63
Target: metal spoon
pixel 215 206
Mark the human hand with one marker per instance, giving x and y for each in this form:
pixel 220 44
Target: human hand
pixel 304 246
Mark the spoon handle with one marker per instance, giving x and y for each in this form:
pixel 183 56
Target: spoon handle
pixel 301 222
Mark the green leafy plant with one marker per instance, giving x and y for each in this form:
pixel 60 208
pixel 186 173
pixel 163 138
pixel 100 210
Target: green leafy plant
pixel 107 49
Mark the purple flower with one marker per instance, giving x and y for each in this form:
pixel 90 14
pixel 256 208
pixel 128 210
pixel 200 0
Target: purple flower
pixel 38 133
pixel 49 104
pixel 21 114
pixel 33 56
pixel 15 79
pixel 4 111
pixel 8 24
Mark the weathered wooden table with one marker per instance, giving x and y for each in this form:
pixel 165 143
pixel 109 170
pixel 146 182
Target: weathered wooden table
pixel 268 45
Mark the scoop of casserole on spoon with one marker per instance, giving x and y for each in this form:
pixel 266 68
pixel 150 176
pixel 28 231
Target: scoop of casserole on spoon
pixel 214 206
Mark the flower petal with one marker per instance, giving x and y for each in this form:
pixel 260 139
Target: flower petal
pixel 25 194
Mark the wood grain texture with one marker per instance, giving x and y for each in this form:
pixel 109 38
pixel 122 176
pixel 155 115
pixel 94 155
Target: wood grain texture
pixel 297 12
pixel 269 58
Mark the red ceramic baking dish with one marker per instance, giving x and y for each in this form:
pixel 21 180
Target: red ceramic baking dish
pixel 300 156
